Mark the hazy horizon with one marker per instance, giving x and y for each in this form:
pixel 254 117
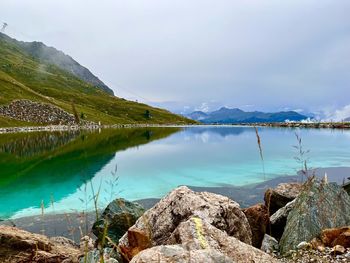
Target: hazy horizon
pixel 202 55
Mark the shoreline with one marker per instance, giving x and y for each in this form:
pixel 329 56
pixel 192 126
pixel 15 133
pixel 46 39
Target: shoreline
pixel 70 224
pixel 51 128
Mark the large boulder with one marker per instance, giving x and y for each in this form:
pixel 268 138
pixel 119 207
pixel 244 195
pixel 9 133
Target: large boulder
pixel 278 220
pixel 196 234
pixel 118 216
pixel 259 220
pixel 281 195
pixel 159 222
pixel 320 205
pixel 177 254
pixel 21 246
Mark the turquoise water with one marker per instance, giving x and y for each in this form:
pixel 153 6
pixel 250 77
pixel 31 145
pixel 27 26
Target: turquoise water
pixel 63 170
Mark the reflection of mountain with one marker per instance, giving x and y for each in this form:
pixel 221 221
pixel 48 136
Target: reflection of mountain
pixel 222 131
pixel 38 143
pixel 61 168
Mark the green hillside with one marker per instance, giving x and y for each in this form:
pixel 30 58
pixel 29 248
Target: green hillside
pixel 24 77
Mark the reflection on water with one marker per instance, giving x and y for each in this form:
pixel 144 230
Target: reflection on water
pixel 66 168
pixel 46 166
pixel 29 145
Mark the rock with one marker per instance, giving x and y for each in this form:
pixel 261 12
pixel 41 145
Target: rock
pixel 258 219
pixel 86 244
pixel 338 250
pixel 182 203
pixel 63 241
pixel 21 246
pixel 347 187
pixel 118 216
pixel 93 256
pixel 279 219
pixel 138 241
pixel 159 222
pixel 304 245
pixel 316 243
pixel 177 254
pixel 196 234
pixel 320 205
pixel 336 236
pixel 269 244
pixel 31 111
pixel 281 195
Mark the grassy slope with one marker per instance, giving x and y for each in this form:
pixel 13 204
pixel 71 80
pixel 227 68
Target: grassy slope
pixel 23 77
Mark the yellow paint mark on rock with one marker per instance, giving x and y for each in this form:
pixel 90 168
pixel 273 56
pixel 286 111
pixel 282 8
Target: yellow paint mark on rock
pixel 199 230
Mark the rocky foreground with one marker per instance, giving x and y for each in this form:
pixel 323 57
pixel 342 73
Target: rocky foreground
pixel 297 223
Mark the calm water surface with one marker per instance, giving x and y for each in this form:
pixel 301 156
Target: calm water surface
pixel 60 171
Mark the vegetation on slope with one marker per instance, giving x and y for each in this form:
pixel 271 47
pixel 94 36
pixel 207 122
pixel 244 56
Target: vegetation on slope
pixel 25 77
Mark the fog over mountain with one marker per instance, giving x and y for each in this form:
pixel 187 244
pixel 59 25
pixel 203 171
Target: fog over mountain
pixel 255 55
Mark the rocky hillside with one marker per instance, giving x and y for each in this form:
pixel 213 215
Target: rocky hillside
pixel 50 55
pixel 25 76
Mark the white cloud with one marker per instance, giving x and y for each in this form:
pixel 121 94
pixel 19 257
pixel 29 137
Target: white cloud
pixel 203 107
pixel 341 114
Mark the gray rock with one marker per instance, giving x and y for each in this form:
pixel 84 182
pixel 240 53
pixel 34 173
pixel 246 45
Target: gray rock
pixel 304 245
pixel 45 113
pixel 196 234
pixel 269 244
pixel 181 204
pixel 279 219
pixel 118 216
pixel 320 205
pixel 63 241
pixel 159 222
pixel 93 256
pixel 177 254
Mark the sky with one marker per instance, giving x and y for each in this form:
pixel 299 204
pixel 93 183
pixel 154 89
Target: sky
pixel 188 55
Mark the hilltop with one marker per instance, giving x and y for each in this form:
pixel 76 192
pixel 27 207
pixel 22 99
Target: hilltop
pixel 227 116
pixel 37 73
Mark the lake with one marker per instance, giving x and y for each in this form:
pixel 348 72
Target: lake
pixel 56 172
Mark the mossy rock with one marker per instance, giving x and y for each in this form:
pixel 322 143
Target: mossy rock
pixel 116 219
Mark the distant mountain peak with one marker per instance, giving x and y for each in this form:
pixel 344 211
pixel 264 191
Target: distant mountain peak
pixel 236 115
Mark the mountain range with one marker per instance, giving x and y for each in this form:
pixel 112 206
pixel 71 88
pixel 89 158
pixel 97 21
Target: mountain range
pixel 227 116
pixel 32 71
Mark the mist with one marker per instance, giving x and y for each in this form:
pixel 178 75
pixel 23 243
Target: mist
pixel 187 55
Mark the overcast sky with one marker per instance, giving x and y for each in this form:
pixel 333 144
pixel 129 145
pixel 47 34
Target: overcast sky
pixel 200 54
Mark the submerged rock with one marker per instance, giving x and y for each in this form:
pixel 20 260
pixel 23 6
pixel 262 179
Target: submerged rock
pixel 177 254
pixel 159 222
pixel 258 219
pixel 320 205
pixel 281 195
pixel 118 216
pixel 18 246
